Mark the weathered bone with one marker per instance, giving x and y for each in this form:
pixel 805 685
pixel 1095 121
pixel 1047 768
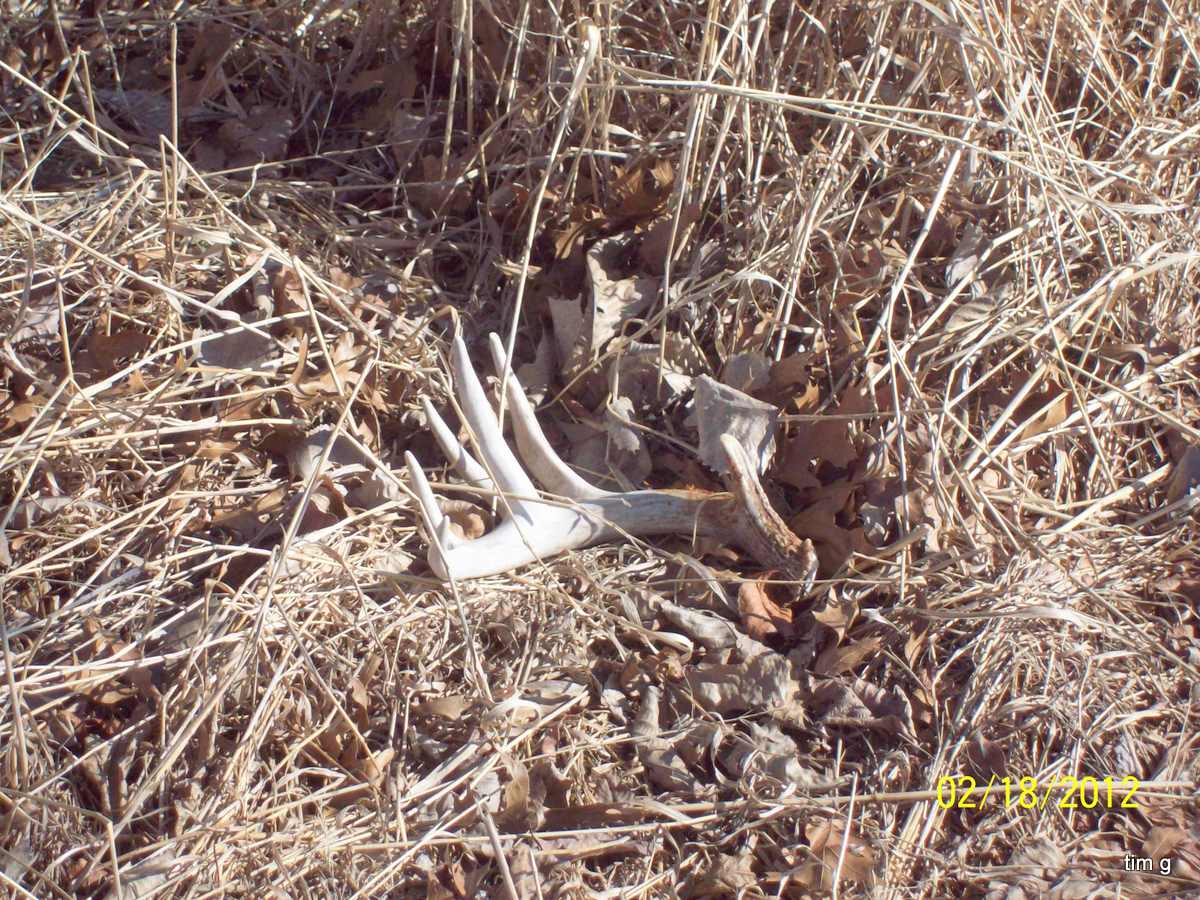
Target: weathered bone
pixel 537 527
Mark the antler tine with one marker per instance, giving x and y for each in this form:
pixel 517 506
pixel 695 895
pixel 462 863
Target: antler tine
pixel 546 465
pixel 499 460
pixel 460 458
pixel 760 531
pixel 442 538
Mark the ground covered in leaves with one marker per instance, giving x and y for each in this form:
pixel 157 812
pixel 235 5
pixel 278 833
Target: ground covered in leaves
pixel 936 263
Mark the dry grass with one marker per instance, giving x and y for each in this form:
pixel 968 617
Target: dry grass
pixel 969 230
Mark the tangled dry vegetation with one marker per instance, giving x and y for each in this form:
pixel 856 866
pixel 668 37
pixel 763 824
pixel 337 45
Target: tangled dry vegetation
pixel 938 261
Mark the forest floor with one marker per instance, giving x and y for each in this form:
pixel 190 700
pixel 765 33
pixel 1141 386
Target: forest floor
pixel 939 263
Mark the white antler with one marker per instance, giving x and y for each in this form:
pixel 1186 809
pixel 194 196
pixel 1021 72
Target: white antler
pixel 536 528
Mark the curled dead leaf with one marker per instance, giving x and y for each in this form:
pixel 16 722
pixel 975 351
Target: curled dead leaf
pixel 837 613
pixel 449 707
pixel 467 520
pixel 855 703
pixel 640 189
pixel 835 660
pixel 764 681
pixel 762 617
pixel 836 847
pixel 1045 415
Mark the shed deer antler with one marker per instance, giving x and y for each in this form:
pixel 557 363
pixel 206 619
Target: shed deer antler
pixel 536 527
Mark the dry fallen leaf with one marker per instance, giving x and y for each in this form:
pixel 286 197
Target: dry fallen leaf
pixel 1047 413
pixel 654 246
pixel 828 439
pixel 105 351
pixel 837 613
pixel 640 189
pixel 449 707
pixel 261 136
pixel 722 410
pixel 762 617
pixel 615 296
pixel 834 544
pixel 764 681
pixel 836 846
pixel 855 703
pixel 728 876
pixel 836 660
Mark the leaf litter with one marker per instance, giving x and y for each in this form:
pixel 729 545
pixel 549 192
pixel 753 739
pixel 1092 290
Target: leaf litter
pixel 970 383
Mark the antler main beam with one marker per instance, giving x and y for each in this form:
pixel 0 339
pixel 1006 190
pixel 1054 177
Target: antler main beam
pixel 574 513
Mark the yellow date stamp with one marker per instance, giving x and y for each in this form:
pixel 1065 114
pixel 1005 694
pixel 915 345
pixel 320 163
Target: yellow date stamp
pixel 1062 791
